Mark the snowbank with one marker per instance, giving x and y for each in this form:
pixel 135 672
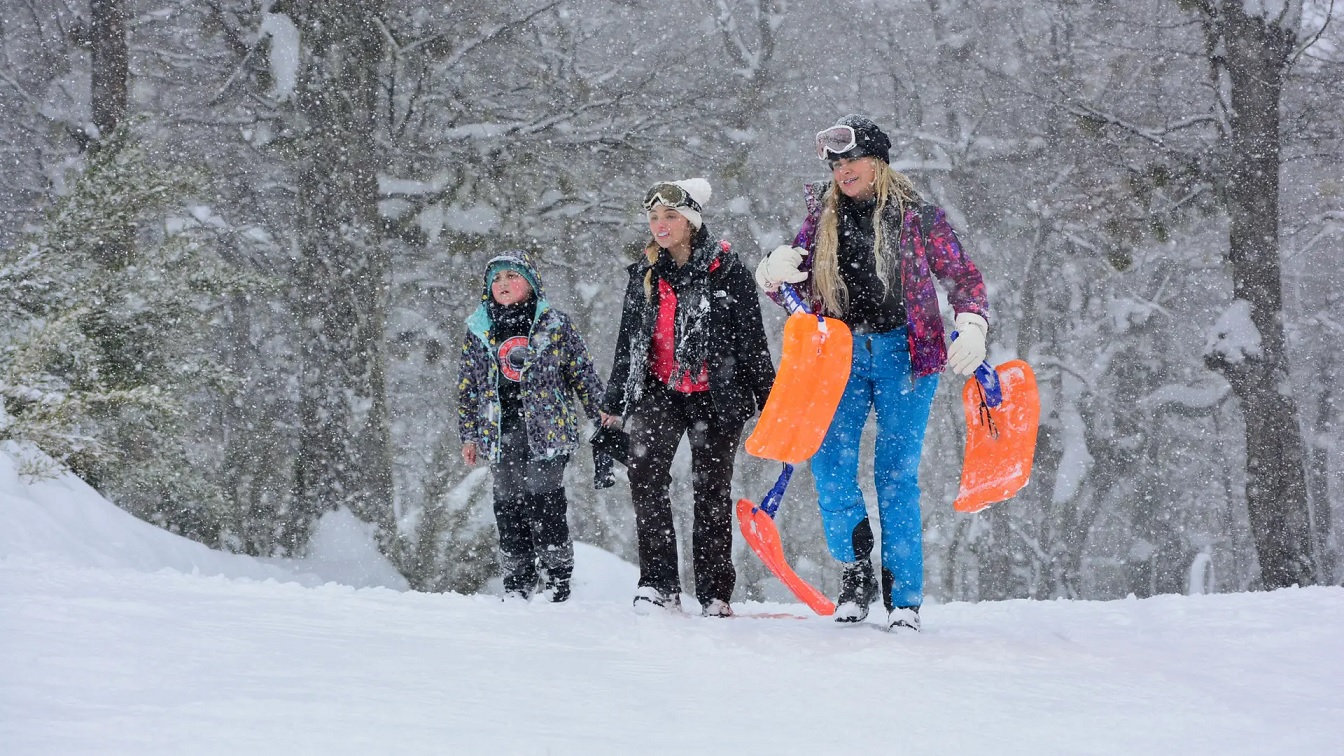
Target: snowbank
pixel 168 663
pixel 63 521
pixel 103 650
pixel 120 638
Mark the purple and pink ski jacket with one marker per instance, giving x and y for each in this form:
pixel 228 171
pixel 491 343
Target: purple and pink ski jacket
pixel 942 258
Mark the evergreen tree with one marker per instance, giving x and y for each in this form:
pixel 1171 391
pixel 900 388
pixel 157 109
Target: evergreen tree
pixel 105 319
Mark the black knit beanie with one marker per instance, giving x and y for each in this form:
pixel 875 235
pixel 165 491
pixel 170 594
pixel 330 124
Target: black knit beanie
pixel 869 140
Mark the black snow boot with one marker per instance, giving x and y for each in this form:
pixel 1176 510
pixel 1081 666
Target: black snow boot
pixel 520 575
pixel 858 590
pixel 903 619
pixel 858 583
pixel 555 583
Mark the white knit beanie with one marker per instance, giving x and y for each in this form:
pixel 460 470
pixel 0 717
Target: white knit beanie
pixel 700 191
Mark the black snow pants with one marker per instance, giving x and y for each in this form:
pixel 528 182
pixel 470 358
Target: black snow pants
pixel 657 423
pixel 530 510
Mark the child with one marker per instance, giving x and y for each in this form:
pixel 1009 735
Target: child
pixel 522 363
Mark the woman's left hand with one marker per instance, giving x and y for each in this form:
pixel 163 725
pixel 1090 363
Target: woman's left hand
pixel 611 421
pixel 966 353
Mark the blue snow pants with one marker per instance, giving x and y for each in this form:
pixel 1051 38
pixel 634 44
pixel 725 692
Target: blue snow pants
pixel 880 378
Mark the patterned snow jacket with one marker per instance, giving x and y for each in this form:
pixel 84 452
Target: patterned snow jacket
pixel 941 256
pixel 556 366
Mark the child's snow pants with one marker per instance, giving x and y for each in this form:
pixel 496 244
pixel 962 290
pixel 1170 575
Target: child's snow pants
pixel 530 510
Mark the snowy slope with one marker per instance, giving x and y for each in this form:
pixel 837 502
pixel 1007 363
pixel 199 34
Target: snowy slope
pixel 64 521
pixel 104 651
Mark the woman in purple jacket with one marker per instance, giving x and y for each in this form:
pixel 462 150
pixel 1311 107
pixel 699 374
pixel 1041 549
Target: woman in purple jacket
pixel 867 254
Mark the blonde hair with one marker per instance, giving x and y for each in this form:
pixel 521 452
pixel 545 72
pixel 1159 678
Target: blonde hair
pixel 826 281
pixel 651 256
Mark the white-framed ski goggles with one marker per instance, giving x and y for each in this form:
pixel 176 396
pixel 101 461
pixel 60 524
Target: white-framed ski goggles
pixel 836 140
pixel 669 195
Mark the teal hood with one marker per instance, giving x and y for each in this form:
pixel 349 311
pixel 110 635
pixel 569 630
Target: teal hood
pixel 479 321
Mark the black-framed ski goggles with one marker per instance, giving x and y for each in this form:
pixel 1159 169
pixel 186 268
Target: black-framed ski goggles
pixel 837 140
pixel 669 195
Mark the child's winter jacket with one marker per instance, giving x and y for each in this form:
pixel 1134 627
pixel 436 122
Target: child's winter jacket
pixel 557 365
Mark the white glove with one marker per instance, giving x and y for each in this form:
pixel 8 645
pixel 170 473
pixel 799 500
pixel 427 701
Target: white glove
pixel 781 266
pixel 966 353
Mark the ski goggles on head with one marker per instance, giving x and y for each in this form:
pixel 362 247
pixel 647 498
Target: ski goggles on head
pixel 669 195
pixel 837 140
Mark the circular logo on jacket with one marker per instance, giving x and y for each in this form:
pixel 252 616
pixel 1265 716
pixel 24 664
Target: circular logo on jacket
pixel 512 357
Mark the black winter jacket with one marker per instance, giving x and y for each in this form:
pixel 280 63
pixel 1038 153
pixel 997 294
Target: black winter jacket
pixel 740 369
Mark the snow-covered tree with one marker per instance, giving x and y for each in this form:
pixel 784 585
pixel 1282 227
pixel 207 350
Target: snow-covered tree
pixel 105 310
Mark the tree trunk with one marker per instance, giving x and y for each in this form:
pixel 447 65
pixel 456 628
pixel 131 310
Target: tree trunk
pixel 750 60
pixel 1254 56
pixel 109 70
pixel 1318 477
pixel 345 456
pixel 110 65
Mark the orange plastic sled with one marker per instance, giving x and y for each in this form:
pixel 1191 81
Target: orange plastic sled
pixel 1000 441
pixel 813 370
pixel 758 528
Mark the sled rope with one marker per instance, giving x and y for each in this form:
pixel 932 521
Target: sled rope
pixel 986 416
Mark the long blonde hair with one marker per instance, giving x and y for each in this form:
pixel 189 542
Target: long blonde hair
pixel 826 281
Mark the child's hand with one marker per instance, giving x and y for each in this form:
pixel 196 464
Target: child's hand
pixel 611 421
pixel 469 453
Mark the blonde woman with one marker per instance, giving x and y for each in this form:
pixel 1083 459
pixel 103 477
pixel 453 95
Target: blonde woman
pixel 691 360
pixel 867 254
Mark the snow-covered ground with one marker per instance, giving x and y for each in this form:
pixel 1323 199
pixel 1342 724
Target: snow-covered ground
pixel 116 637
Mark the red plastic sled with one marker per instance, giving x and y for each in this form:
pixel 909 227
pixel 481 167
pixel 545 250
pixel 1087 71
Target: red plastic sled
pixel 813 370
pixel 1000 440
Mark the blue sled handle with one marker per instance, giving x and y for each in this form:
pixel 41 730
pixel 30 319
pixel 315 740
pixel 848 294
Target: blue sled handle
pixel 989 381
pixel 770 504
pixel 792 302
